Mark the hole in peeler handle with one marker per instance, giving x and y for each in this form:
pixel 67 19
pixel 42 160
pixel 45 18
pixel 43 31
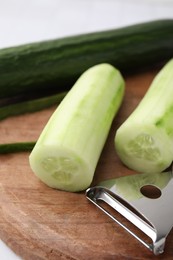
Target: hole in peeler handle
pixel 151 191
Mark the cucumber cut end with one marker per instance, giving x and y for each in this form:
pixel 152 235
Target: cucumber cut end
pixel 143 151
pixel 60 168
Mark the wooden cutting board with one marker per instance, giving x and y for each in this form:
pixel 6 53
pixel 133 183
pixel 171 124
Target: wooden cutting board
pixel 38 222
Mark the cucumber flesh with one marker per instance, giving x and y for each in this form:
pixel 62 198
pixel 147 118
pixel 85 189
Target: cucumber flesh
pixel 144 142
pixel 68 149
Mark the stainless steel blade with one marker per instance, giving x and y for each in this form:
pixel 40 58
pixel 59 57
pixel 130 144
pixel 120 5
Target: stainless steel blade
pixel 144 199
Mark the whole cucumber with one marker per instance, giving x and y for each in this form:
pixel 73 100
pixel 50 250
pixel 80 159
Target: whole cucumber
pixel 55 65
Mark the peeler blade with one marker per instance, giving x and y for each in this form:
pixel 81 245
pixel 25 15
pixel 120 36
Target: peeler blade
pixel 145 200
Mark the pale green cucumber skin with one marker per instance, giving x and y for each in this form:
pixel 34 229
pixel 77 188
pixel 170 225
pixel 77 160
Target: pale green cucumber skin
pixel 79 128
pixel 151 120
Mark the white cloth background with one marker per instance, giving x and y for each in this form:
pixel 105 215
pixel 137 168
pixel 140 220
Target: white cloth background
pixel 23 21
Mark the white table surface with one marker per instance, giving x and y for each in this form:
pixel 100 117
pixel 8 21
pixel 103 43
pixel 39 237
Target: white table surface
pixel 23 21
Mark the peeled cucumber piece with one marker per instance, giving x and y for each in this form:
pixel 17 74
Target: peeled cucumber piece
pixel 144 142
pixel 67 152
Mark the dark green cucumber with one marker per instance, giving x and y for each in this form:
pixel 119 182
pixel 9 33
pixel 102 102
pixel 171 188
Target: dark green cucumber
pixel 16 147
pixel 21 108
pixel 55 65
pixel 30 105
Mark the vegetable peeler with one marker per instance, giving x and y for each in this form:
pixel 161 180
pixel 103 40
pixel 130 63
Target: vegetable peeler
pixel 145 202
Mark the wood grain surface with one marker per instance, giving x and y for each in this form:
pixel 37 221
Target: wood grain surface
pixel 38 222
